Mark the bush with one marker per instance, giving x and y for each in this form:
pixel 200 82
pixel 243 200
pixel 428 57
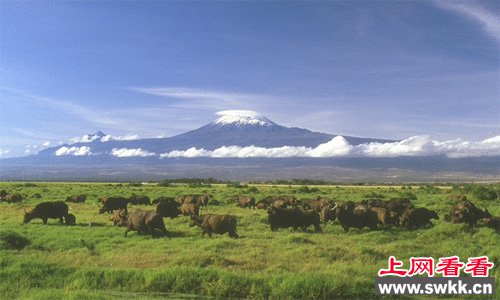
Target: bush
pixel 11 240
pixel 482 192
pixel 408 194
pixel 307 190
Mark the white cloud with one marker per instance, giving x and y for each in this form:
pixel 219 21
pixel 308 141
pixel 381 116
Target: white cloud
pixel 128 137
pixel 76 151
pixel 85 139
pixel 4 152
pixel 125 152
pixel 338 146
pixel 46 144
pixel 489 21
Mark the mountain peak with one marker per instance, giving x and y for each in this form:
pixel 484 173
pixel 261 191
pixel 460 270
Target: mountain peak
pixel 241 118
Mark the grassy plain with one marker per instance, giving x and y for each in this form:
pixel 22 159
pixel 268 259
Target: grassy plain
pixel 94 260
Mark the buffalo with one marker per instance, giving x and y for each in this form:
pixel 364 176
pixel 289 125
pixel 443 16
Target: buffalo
pixel 168 207
pixel 414 218
pixel 146 222
pixel 492 222
pixel 70 219
pixel 109 204
pixel 203 200
pixel 246 201
pixel 327 214
pixel 397 207
pixel 47 210
pixel 189 209
pixel 465 211
pixel 316 204
pixel 384 216
pixel 350 215
pixel 139 200
pixel 200 200
pixel 76 198
pixel 12 198
pixel 119 217
pixel 292 217
pixel 219 224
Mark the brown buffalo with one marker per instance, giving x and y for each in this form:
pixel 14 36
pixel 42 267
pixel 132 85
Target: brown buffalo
pixel 168 208
pixel 350 215
pixel 12 198
pixel 292 217
pixel 47 210
pixel 414 218
pixel 219 224
pixel 146 222
pixel 492 222
pixel 465 211
pixel 327 214
pixel 397 207
pixel 109 204
pixel 76 198
pixel 139 200
pixel 246 201
pixel 190 209
pixel 384 216
pixel 119 217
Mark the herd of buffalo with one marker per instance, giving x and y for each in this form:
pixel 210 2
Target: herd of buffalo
pixel 282 211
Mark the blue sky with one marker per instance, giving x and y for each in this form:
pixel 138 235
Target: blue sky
pixel 388 69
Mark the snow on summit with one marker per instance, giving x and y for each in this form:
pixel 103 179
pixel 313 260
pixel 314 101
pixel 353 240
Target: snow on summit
pixel 241 118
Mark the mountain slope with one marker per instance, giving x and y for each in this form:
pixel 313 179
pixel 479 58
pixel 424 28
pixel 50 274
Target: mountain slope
pixel 228 130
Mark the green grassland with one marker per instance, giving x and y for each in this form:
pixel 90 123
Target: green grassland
pixel 94 260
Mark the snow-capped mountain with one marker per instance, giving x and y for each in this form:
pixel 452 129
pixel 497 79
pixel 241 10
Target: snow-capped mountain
pixel 243 145
pixel 231 128
pixel 242 118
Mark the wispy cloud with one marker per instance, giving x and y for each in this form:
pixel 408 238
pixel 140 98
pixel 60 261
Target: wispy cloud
pixel 92 115
pixel 489 21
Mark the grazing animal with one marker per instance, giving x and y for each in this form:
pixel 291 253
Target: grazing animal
pixel 219 224
pixel 139 200
pixel 492 222
pixel 146 222
pixel 414 218
pixel 119 217
pixel 203 200
pixel 246 201
pixel 262 205
pixel 168 207
pixel 12 198
pixel 292 217
pixel 200 200
pixel 189 209
pixel 327 214
pixel 47 210
pixel 109 204
pixel 76 198
pixel 350 215
pixel 384 216
pixel 397 207
pixel 70 219
pixel 465 211
pixel 318 204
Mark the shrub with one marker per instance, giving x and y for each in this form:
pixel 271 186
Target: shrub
pixel 408 194
pixel 11 240
pixel 307 190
